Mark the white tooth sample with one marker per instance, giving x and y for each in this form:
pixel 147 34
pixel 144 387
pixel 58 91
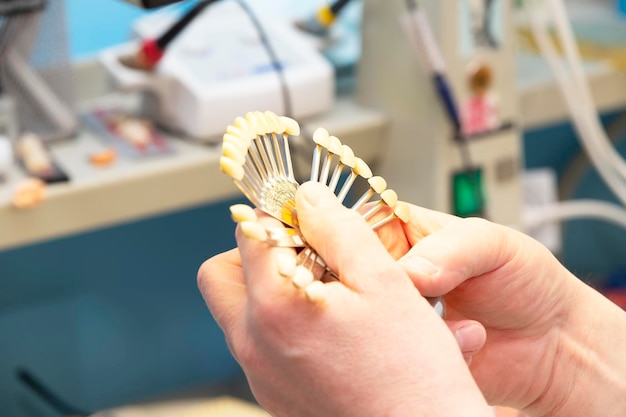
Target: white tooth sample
pixel 244 127
pixel 286 265
pixel 389 197
pixel 347 157
pixel 242 144
pixel 362 169
pixel 315 291
pixel 233 152
pixel 258 147
pixel 253 230
pixel 377 186
pixel 253 123
pixel 231 168
pixel 302 277
pixel 403 211
pixel 242 213
pixel 292 127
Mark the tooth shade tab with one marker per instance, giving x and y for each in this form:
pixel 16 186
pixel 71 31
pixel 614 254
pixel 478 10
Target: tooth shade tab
pixel 263 125
pixel 302 277
pixel 231 168
pixel 286 265
pixel 389 197
pixel 238 142
pixel 378 184
pixel 242 213
pixel 347 157
pixel 292 127
pixel 253 230
pixel 362 169
pixel 233 152
pixel 335 146
pixel 321 137
pixel 276 125
pixel 403 211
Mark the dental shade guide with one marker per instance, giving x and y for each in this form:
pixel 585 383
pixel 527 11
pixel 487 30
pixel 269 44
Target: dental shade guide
pixel 256 155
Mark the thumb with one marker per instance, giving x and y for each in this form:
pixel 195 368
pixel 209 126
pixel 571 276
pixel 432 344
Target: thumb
pixel 342 238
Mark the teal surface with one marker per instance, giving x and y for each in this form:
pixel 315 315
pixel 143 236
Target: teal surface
pixel 113 316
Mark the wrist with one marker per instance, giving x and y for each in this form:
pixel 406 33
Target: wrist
pixel 589 371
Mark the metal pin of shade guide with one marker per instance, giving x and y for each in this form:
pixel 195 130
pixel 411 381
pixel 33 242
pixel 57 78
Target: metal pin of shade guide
pixel 256 155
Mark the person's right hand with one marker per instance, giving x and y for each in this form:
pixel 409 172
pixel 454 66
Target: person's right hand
pixel 545 328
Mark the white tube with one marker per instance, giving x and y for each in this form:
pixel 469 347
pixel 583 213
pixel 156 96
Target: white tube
pixel 570 91
pixel 572 56
pixel 577 209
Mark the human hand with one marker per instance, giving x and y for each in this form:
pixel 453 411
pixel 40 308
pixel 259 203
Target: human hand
pixel 542 323
pixel 371 346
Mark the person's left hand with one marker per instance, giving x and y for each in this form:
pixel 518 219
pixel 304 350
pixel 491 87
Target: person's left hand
pixel 371 346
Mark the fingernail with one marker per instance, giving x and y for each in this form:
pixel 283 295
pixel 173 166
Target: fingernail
pixel 317 195
pixel 471 337
pixel 419 265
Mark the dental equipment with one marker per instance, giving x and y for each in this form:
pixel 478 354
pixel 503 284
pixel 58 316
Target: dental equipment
pixel 323 19
pixel 220 66
pixel 152 50
pixel 256 155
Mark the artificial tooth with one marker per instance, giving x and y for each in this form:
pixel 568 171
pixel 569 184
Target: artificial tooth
pixel 242 213
pixel 253 230
pixel 347 157
pixel 321 137
pixel 335 146
pixel 362 169
pixel 389 197
pixel 302 277
pixel 275 123
pixel 403 211
pixel 315 291
pixel 286 265
pixel 378 184
pixel 292 127
pixel 231 168
pixel 233 152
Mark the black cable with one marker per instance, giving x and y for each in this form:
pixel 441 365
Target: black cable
pixel 45 394
pixel 287 111
pixel 338 5
pixel 181 24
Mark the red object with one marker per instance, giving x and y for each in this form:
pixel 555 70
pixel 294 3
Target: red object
pixel 152 52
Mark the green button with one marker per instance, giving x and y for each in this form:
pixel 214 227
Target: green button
pixel 467 193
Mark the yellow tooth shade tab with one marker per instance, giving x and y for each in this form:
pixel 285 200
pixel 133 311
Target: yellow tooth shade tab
pixel 321 137
pixel 378 184
pixel 403 211
pixel 244 127
pixel 231 168
pixel 315 291
pixel 242 144
pixel 276 126
pixel 233 152
pixel 347 157
pixel 253 230
pixel 362 169
pixel 389 197
pixel 335 146
pixel 302 277
pixel 242 213
pixel 263 125
pixel 286 265
pixel 253 122
pixel 292 127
